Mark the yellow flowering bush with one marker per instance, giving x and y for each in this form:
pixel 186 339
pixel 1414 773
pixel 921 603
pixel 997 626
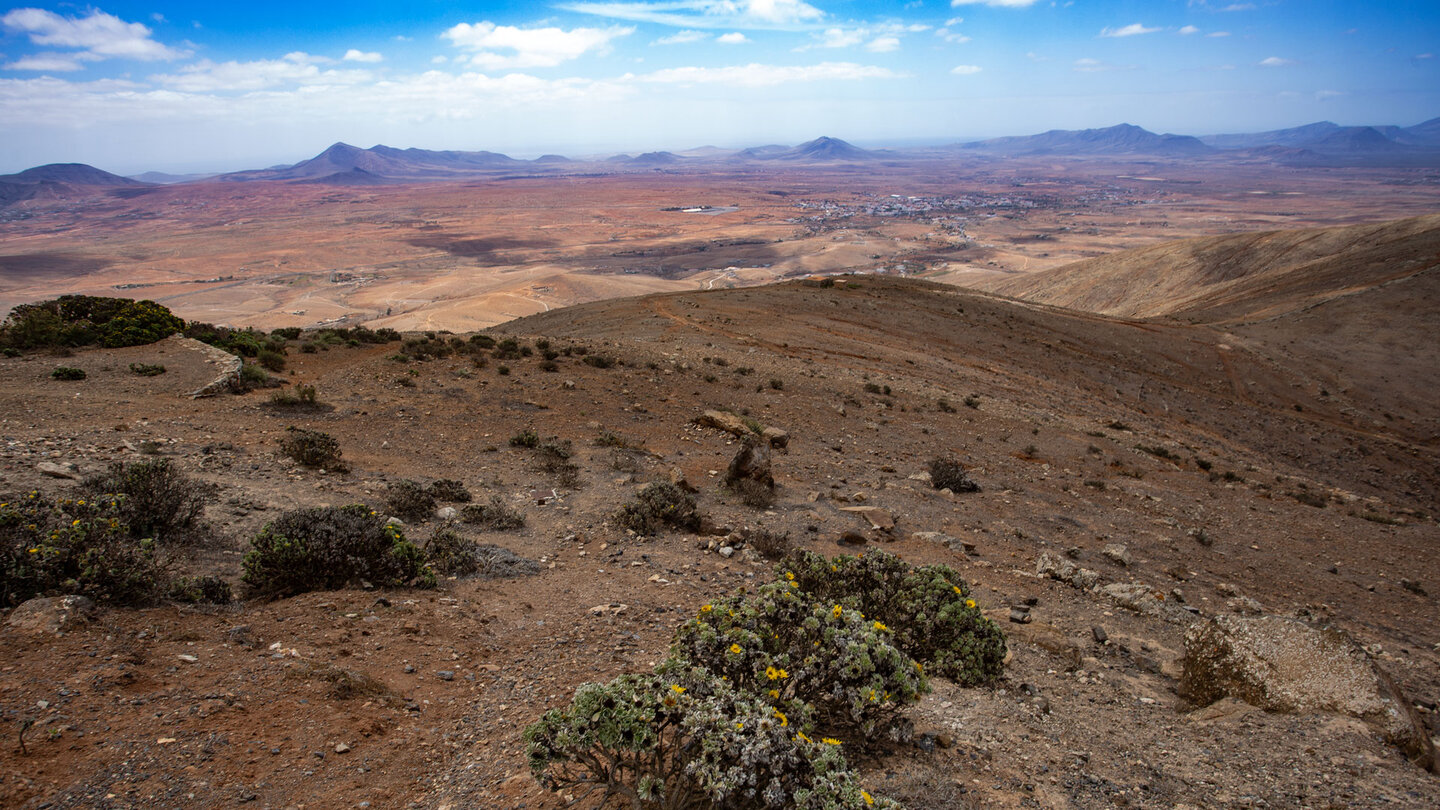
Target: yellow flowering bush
pixel 79 546
pixel 927 609
pixel 705 745
pixel 780 640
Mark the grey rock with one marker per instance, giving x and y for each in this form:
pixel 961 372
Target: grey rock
pixel 941 539
pixel 1099 633
pixel 776 438
pixel 1020 615
pixel 445 675
pixel 727 551
pixel 59 470
pixel 1284 665
pixel 751 463
pixel 1066 571
pixel 1118 554
pixel 446 513
pixel 52 615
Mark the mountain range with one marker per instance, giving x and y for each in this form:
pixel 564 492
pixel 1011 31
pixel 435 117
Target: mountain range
pixel 1322 143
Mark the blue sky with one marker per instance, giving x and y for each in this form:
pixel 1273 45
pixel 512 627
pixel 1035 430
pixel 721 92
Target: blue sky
pixel 185 86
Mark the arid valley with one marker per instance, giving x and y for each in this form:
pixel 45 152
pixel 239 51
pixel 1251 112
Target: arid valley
pixel 1190 391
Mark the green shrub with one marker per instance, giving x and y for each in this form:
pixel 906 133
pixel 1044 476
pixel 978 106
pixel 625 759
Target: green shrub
pixel 209 590
pixel 525 438
pixel 67 373
pixel 146 369
pixel 947 473
pixel 312 448
pixel 271 360
pixel 662 743
pixel 252 377
pixel 408 500
pixel 155 499
pixel 84 320
pixel 452 554
pixel 797 650
pixel 598 361
pixel 928 609
pixel 301 396
pixel 331 547
pixel 449 490
pixel 495 515
pixel 659 505
pixel 74 546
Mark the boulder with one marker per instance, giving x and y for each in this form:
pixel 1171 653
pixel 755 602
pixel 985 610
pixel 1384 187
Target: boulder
pixel 51 615
pixel 1065 571
pixel 726 421
pixel 942 539
pixel 777 438
pixel 1118 554
pixel 877 518
pixel 59 470
pixel 751 463
pixel 1284 665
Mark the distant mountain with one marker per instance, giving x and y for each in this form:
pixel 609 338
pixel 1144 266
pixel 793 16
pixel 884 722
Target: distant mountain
pixel 75 174
pixel 350 165
pixel 821 150
pixel 1350 140
pixel 1423 134
pixel 57 181
pixel 1294 136
pixel 166 179
pixel 1122 139
pixel 657 159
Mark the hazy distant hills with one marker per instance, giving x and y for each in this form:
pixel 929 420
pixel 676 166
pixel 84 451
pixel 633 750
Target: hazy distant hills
pixel 56 181
pixel 1323 143
pixel 1122 139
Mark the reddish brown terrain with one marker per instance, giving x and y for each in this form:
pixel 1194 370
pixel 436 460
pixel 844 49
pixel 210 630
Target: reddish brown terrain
pixel 1246 460
pixel 466 254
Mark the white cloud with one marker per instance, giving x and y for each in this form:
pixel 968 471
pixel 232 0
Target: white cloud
pixel 1424 56
pixel 98 36
pixel 953 37
pixel 1088 65
pixel 1239 7
pixel 1275 61
pixel 732 38
pixel 884 44
pixel 750 14
pixel 965 70
pixel 439 60
pixel 1127 31
pixel 881 38
pixel 682 38
pixel 1218 34
pixel 1188 30
pixel 50 62
pixel 757 75
pixel 530 47
pixel 354 55
pixel 1326 95
pixel 954 21
pixel 995 3
pixel 293 69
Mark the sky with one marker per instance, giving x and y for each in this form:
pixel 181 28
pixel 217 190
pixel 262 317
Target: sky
pixel 179 87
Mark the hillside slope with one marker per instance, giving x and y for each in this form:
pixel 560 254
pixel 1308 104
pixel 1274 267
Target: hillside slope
pixel 1177 441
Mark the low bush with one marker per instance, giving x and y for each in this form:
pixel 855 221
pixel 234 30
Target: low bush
pixel 659 505
pixel 85 320
pixel 146 369
pixel 67 373
pixel 271 360
pixel 768 544
pixel 525 438
pixel 800 651
pixel 928 609
pixel 495 515
pixel 452 554
pixel 660 744
pixel 312 448
pixel 208 590
pixel 408 500
pixel 598 361
pixel 74 546
pixel 947 473
pixel 300 397
pixel 448 490
pixel 156 499
pixel 331 547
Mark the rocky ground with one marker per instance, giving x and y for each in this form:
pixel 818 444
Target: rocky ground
pixel 365 698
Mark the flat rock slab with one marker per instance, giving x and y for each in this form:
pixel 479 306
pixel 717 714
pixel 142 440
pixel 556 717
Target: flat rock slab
pixel 877 518
pixel 51 615
pixel 1284 665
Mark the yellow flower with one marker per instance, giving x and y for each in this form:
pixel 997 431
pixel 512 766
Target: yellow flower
pixel 677 689
pixel 740 726
pixel 969 603
pixel 800 735
pixel 75 522
pixel 706 608
pixel 829 741
pixel 775 693
pixel 867 797
pixel 784 721
pixel 833 567
pixel 794 584
pixel 34 551
pixel 735 648
pixel 836 611
pixel 880 626
pixel 789 576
